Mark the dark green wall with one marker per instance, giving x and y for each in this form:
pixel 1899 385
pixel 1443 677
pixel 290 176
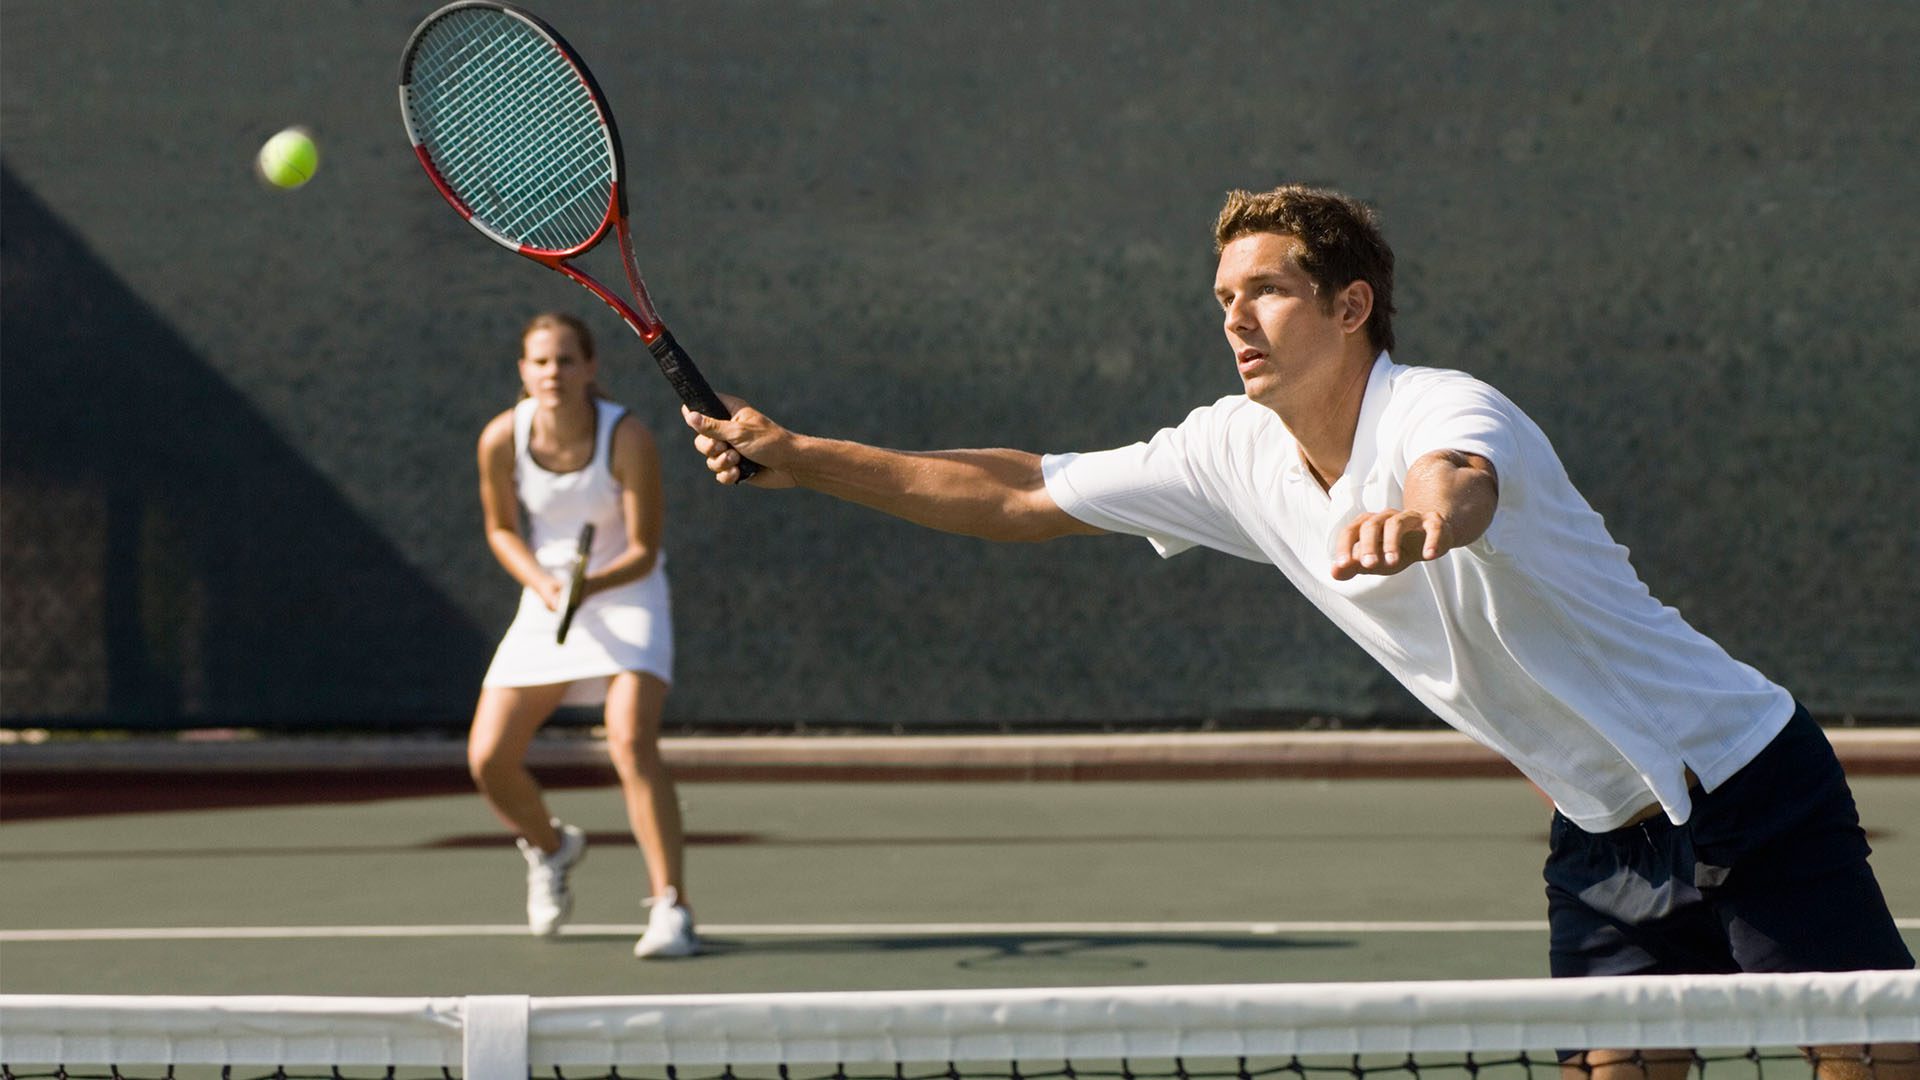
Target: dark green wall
pixel 239 423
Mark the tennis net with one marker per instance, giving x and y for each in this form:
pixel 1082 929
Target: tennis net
pixel 1729 1026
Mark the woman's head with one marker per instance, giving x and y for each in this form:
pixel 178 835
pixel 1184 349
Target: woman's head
pixel 557 362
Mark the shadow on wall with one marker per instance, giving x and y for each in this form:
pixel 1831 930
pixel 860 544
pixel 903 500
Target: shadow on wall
pixel 168 560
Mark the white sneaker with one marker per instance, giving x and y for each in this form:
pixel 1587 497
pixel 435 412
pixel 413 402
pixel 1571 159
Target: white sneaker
pixel 549 901
pixel 669 929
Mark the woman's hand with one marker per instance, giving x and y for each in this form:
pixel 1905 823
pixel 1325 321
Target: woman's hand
pixel 551 591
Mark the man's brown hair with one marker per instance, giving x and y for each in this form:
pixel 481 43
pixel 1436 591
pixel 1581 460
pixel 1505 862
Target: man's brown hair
pixel 1340 243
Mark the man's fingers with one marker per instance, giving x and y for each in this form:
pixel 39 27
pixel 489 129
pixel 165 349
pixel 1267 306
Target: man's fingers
pixel 1408 538
pixel 727 444
pixel 1435 526
pixel 1344 563
pixel 1366 544
pixel 1391 531
pixel 1404 536
pixel 721 458
pixel 1387 542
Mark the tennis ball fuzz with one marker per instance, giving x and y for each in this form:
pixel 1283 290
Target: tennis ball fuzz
pixel 289 159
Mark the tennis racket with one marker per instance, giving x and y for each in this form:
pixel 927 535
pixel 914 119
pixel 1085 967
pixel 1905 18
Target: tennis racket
pixel 516 135
pixel 576 582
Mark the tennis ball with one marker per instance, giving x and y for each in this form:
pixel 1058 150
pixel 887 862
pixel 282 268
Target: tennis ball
pixel 289 158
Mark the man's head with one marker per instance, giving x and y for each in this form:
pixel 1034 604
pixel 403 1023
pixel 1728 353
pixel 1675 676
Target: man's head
pixel 1339 243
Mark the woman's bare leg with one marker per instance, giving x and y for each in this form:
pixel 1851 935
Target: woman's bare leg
pixel 1629 1065
pixel 1881 1061
pixel 634 704
pixel 503 724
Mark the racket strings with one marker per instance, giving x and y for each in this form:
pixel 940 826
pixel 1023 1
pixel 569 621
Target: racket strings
pixel 512 129
pixel 497 110
pixel 498 127
pixel 510 122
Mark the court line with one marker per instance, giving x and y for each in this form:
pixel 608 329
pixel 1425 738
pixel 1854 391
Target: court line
pixel 975 929
pixel 956 929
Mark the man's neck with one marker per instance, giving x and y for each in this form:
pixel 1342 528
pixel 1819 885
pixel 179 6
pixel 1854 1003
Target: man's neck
pixel 1323 422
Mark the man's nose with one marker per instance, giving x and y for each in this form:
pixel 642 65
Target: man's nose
pixel 1235 316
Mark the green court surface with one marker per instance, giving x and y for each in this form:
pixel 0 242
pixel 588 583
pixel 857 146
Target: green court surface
pixel 820 886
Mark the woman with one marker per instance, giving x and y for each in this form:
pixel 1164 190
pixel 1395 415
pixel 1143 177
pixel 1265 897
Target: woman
pixel 568 457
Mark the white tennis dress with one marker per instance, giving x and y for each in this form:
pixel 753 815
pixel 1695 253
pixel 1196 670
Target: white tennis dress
pixel 629 628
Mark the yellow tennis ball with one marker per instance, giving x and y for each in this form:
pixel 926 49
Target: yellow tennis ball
pixel 289 159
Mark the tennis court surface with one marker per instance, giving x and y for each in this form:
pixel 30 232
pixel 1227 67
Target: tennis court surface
pixel 953 889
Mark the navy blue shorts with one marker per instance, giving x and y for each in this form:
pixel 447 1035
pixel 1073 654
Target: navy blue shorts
pixel 1769 874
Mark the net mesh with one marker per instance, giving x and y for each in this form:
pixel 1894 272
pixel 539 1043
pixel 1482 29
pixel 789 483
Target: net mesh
pixel 1755 1064
pixel 511 126
pixel 1856 1025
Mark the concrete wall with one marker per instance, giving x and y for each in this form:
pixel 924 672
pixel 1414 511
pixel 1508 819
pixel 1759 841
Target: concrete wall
pixel 239 423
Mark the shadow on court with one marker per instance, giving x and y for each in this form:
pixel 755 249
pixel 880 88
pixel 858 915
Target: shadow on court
pixel 37 796
pixel 170 553
pixel 1118 951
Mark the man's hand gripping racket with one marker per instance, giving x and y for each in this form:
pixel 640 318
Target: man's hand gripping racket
pixel 516 135
pixel 745 436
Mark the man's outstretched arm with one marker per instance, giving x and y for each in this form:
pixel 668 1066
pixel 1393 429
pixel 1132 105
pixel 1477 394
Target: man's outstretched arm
pixel 1449 501
pixel 993 494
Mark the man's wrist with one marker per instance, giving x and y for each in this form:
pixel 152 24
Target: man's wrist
pixel 788 453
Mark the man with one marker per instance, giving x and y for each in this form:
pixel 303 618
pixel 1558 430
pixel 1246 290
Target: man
pixel 1702 822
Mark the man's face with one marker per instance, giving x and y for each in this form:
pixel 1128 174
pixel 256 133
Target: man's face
pixel 1278 326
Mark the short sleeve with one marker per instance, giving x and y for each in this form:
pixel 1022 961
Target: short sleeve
pixel 1160 489
pixel 1461 413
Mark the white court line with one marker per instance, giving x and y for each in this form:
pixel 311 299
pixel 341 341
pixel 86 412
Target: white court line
pixel 255 933
pixel 246 933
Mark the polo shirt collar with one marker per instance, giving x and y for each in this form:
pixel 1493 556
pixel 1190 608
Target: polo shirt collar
pixel 1366 438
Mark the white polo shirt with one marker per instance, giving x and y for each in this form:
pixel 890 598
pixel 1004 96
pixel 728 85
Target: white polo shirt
pixel 1538 640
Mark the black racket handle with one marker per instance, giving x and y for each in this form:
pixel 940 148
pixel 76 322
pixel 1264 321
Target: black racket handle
pixel 692 387
pixel 576 581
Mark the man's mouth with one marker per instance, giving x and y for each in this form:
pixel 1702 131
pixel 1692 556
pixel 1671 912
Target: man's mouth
pixel 1250 358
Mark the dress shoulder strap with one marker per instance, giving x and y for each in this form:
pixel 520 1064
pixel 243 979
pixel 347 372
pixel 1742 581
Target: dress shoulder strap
pixel 610 413
pixel 522 427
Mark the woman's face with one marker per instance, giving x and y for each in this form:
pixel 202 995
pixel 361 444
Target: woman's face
pixel 553 368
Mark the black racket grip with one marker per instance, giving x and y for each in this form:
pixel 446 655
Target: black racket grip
pixel 692 387
pixel 576 581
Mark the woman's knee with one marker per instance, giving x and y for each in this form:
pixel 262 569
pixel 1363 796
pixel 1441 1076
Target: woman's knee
pixel 636 758
pixel 488 762
pixel 504 722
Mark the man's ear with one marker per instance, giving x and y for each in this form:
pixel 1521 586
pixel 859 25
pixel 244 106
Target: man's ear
pixel 1353 304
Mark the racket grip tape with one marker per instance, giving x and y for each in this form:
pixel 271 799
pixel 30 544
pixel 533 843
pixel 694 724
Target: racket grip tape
pixel 576 582
pixel 692 387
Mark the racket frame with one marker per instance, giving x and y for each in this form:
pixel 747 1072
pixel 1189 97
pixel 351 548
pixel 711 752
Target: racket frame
pixel 641 315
